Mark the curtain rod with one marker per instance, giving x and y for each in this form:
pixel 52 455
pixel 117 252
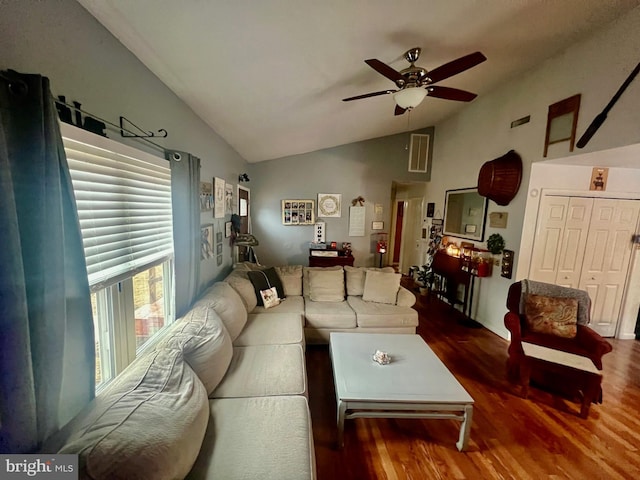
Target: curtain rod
pixel 111 124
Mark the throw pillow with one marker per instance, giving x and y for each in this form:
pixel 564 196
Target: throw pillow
pixel 381 287
pixel 552 315
pixel 264 280
pixel 291 277
pixel 355 278
pixel 326 285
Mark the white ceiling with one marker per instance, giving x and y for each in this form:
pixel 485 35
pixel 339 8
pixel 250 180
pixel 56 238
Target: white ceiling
pixel 269 75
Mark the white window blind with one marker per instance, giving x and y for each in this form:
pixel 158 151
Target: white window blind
pixel 124 205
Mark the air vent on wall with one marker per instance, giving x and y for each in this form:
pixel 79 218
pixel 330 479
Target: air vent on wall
pixel 419 153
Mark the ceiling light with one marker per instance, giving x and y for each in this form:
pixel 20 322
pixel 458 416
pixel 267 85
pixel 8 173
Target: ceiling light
pixel 409 97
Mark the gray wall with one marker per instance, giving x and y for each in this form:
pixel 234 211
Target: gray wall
pixel 365 169
pixel 62 41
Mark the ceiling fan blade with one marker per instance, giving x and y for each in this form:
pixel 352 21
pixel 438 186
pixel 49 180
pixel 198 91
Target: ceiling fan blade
pixel 367 95
pixel 399 110
pixel 449 93
pixel 456 66
pixel 386 70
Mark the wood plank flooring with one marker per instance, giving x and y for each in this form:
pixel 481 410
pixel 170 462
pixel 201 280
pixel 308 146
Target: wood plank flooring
pixel 511 437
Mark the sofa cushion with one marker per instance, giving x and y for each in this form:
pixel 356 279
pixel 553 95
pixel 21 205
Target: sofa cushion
pixel 288 305
pixel 373 314
pixel 148 424
pixel 257 438
pixel 552 315
pixel 355 278
pixel 326 285
pixel 263 280
pixel 266 329
pixel 239 281
pixel 306 287
pixel 204 342
pixel 228 305
pixel 291 277
pixel 381 287
pixel 329 314
pixel 262 370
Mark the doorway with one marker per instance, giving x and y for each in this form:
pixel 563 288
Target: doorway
pixel 406 243
pixel 244 212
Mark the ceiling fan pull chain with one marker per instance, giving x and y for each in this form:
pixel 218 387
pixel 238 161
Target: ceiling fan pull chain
pixel 406 145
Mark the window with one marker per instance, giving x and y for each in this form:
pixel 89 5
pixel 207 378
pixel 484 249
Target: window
pixel 124 205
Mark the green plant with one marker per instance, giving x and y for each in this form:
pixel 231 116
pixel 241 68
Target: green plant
pixel 425 275
pixel 495 243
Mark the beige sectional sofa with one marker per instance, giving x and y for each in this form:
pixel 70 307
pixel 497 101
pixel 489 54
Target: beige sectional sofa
pixel 223 393
pixel 336 299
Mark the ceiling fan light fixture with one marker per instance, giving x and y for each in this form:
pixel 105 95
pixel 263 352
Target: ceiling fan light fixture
pixel 409 97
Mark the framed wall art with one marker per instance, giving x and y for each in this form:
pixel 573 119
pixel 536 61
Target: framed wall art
pixel 228 199
pixel 206 196
pixel 218 191
pixel 562 120
pixel 298 212
pixel 329 205
pixel 206 242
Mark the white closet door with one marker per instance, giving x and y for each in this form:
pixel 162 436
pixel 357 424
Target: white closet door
pixel 606 263
pixel 574 239
pixel 560 240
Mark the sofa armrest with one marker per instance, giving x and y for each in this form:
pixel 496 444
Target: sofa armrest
pixel 405 298
pixel 593 343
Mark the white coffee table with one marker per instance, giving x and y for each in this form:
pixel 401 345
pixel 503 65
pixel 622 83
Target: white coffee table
pixel 416 384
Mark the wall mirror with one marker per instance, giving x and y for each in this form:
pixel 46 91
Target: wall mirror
pixel 465 213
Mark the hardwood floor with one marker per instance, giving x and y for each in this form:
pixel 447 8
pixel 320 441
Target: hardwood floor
pixel 511 437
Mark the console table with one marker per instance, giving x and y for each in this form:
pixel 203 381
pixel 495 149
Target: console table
pixel 329 258
pixel 450 274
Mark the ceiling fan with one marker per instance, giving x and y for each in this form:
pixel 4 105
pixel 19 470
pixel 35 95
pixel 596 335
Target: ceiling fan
pixel 415 83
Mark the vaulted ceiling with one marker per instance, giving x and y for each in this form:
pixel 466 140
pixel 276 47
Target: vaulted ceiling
pixel 269 75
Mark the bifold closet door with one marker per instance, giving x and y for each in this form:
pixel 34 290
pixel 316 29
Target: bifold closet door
pixel 561 236
pixel 585 243
pixel 606 263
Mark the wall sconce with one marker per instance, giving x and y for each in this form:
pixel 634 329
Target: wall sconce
pixel 243 177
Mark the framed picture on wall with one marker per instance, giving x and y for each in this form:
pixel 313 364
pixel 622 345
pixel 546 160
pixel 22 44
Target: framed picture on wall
pixel 206 242
pixel 329 205
pixel 298 212
pixel 227 229
pixel 218 191
pixel 206 196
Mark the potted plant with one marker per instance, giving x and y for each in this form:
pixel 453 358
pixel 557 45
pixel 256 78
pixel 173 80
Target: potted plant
pixel 425 277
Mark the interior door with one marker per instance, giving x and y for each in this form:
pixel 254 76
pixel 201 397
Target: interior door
pixel 586 243
pixel 412 229
pixel 606 265
pixel 561 236
pixel 245 219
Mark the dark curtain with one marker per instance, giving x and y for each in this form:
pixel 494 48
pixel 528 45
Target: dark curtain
pixel 47 346
pixel 185 200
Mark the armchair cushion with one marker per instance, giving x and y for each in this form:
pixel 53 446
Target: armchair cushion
pixel 552 315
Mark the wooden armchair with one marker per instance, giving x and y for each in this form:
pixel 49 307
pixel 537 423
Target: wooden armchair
pixel 587 342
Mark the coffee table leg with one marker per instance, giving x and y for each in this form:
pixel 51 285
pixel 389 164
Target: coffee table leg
pixel 342 409
pixel 465 428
